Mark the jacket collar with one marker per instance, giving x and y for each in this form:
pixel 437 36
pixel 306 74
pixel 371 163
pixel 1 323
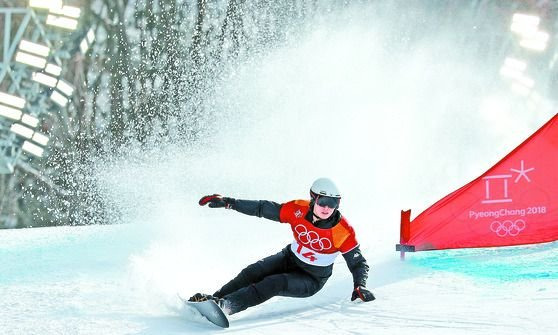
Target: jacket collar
pixel 330 222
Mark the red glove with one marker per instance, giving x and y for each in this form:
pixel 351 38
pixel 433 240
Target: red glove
pixel 217 201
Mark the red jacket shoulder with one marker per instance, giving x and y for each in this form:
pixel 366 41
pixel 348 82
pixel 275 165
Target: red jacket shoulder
pixel 293 209
pixel 344 236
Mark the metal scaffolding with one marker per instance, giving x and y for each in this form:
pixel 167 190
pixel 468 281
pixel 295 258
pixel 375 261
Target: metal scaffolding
pixel 25 32
pixel 37 43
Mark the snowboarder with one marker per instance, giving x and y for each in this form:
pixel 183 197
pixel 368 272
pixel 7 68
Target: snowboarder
pixel 302 268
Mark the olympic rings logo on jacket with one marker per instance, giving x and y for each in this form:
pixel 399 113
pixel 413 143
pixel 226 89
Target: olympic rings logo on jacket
pixel 312 239
pixel 340 237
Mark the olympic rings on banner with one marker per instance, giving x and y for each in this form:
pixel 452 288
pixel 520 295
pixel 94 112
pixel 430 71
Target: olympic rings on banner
pixel 508 227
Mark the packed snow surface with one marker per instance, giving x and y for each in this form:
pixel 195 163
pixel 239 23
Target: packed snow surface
pixel 118 280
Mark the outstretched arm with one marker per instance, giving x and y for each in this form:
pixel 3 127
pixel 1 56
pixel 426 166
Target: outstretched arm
pixel 260 208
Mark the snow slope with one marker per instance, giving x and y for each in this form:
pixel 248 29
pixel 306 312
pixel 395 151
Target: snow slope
pixel 395 131
pixel 97 279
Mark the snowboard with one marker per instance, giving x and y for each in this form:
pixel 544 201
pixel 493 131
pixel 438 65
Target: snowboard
pixel 210 310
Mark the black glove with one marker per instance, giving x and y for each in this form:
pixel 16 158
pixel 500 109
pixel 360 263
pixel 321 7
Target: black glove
pixel 362 293
pixel 217 201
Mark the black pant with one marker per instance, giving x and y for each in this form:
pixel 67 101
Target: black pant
pixel 280 274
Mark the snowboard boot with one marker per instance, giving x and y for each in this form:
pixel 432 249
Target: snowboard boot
pixel 199 297
pixel 222 303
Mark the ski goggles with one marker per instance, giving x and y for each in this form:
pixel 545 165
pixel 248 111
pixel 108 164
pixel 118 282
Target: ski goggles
pixel 328 202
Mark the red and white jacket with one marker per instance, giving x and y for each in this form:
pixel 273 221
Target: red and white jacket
pixel 316 244
pixel 313 245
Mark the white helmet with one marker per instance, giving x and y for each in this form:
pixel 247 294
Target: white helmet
pixel 324 187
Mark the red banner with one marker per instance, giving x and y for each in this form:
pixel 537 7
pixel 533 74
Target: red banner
pixel 514 202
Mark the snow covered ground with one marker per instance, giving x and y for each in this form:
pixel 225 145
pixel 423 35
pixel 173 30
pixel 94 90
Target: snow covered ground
pixel 99 279
pixel 394 131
